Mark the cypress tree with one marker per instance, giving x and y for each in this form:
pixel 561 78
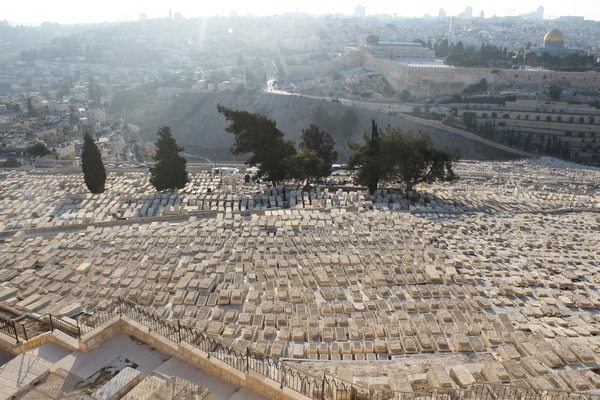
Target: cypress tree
pixel 368 157
pixel 168 173
pixel 373 154
pixel 94 173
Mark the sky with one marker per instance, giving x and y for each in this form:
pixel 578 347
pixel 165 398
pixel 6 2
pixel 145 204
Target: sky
pixel 34 12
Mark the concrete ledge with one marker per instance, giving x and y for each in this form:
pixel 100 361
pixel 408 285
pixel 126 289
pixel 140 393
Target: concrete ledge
pixel 99 335
pixel 8 344
pixel 154 339
pixel 38 341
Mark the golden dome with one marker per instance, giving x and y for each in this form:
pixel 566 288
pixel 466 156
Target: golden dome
pixel 554 36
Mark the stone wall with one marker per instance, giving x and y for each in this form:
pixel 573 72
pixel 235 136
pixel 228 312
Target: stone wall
pixel 324 68
pixel 200 359
pixel 429 81
pixel 8 345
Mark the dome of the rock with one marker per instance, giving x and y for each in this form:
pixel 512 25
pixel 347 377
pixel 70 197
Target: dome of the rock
pixel 554 36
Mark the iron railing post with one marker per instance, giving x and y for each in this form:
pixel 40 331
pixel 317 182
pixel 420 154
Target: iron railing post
pixel 14 326
pixel 247 359
pixel 78 329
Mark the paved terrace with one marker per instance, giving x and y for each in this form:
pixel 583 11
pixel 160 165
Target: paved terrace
pixel 492 279
pixel 53 372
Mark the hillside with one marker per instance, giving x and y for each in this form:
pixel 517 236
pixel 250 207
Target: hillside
pixel 200 128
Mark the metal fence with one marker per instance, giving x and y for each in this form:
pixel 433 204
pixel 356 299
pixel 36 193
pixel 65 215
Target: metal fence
pixel 8 327
pixel 286 376
pixel 64 326
pixel 29 326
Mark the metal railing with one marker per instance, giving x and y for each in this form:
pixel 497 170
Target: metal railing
pixel 62 325
pixel 28 326
pixel 317 387
pixel 9 328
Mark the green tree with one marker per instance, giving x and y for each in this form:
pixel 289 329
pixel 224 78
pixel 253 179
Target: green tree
pixel 316 156
pixel 412 159
pixel 555 91
pixel 16 108
pixel 348 122
pixel 31 111
pixel 405 95
pixel 38 149
pixel 258 135
pixel 442 48
pixel 94 173
pixel 94 92
pixel 168 172
pixel 395 156
pixel 10 162
pixel 323 118
pixel 480 87
pixel 303 166
pixel 469 119
pixel 368 158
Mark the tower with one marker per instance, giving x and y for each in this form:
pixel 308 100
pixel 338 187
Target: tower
pixel 359 11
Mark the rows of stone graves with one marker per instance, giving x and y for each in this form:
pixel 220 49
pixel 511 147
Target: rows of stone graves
pixel 472 268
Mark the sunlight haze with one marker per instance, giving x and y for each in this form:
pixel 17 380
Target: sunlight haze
pixel 72 12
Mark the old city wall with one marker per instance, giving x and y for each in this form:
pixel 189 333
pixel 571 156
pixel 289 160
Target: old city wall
pixel 323 68
pixel 429 81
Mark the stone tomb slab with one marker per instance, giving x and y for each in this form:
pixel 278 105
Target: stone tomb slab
pixel 462 376
pixel 118 385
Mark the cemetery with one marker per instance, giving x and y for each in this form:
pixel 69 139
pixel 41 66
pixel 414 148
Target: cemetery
pixel 493 279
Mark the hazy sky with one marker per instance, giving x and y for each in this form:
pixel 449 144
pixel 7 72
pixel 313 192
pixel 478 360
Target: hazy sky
pixel 82 11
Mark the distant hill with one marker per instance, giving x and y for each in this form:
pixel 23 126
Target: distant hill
pixel 198 126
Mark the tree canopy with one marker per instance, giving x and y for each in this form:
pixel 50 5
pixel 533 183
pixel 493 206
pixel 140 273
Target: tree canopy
pixel 258 135
pixel 94 92
pixel 368 158
pixel 412 159
pixel 555 92
pixel 92 166
pixel 393 156
pixel 275 157
pixel 31 111
pixel 488 55
pixel 316 156
pixel 168 172
pixel 38 149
